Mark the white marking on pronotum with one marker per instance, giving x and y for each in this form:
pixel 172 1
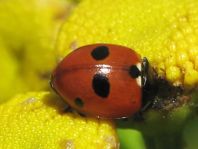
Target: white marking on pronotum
pixel 139 79
pixel 104 69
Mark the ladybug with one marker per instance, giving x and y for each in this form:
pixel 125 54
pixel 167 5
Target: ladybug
pixel 102 80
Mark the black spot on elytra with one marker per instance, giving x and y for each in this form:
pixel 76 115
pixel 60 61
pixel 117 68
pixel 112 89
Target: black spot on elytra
pixel 79 102
pixel 101 85
pixel 134 71
pixel 100 52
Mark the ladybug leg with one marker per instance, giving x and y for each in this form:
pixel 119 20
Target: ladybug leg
pixel 68 109
pixel 146 106
pixel 71 110
pixel 139 116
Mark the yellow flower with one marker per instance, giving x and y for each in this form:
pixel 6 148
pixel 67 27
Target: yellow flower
pixel 38 120
pixel 166 32
pixel 27 32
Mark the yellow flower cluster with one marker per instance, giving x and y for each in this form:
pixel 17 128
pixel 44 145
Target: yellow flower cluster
pixel 27 33
pixel 166 32
pixel 38 120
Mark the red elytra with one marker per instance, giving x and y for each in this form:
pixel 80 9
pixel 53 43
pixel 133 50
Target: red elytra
pixel 101 80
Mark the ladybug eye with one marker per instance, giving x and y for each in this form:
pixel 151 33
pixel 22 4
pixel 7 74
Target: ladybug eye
pixel 100 52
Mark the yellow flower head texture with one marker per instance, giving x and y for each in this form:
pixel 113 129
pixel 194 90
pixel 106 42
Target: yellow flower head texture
pixel 166 32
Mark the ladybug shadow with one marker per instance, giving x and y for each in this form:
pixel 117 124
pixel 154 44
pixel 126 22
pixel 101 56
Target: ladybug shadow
pixel 54 101
pixel 63 109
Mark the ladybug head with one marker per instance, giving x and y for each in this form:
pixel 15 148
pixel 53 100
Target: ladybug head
pixel 149 88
